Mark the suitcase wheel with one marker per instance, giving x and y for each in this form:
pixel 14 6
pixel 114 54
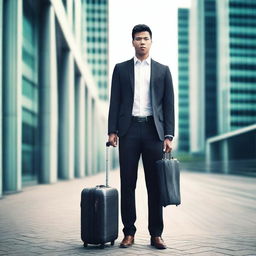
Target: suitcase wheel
pixel 85 244
pixel 112 243
pixel 102 246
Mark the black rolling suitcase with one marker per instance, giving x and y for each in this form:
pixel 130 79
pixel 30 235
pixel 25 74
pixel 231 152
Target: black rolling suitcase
pixel 99 213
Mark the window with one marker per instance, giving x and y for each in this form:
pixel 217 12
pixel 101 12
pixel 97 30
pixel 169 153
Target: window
pixel 29 94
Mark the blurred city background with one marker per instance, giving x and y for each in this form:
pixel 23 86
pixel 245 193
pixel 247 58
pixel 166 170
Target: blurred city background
pixel 56 62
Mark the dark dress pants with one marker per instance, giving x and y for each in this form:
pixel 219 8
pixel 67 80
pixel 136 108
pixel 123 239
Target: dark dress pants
pixel 141 139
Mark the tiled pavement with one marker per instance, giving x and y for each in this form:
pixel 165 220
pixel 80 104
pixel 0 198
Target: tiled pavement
pixel 217 217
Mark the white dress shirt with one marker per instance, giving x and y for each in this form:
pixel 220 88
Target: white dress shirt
pixel 142 101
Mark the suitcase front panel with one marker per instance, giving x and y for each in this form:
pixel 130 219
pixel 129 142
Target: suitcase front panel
pixel 99 215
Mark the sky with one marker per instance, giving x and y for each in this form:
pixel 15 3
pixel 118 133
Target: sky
pixel 159 15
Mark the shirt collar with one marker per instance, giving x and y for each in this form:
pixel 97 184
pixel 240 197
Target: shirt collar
pixel 147 60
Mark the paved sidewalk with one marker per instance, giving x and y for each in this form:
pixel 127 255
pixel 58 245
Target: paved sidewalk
pixel 217 217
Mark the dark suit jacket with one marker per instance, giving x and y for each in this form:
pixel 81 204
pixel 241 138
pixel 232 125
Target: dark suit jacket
pixel 122 97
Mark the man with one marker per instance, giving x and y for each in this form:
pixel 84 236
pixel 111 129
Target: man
pixel 141 114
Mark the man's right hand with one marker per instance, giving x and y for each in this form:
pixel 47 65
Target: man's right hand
pixel 112 139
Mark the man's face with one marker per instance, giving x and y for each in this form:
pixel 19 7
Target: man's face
pixel 142 43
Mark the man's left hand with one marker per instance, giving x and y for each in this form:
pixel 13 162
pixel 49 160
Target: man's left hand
pixel 167 146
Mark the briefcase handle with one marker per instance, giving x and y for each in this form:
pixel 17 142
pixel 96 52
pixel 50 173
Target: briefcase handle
pixel 167 156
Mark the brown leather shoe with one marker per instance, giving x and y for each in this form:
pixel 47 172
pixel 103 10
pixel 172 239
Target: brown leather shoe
pixel 158 242
pixel 127 242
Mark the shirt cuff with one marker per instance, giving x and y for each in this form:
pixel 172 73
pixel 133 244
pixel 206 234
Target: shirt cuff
pixel 169 137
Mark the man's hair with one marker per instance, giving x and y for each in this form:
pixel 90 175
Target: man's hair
pixel 141 28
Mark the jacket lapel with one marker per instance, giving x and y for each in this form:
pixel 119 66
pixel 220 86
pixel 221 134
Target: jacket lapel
pixel 131 73
pixel 151 84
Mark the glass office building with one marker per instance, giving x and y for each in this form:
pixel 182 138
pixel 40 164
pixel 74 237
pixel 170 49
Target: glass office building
pixel 52 121
pixel 222 68
pixel 222 80
pixel 95 42
pixel 183 67
pixel 235 146
pixel 203 73
pixel 210 75
pixel 237 64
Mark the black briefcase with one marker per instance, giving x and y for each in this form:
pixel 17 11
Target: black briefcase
pixel 99 213
pixel 168 174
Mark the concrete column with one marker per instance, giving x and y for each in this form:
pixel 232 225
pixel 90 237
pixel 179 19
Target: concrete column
pixel 12 85
pixel 196 76
pixel 70 13
pixel 1 116
pixel 48 91
pixel 223 66
pixel 225 156
pixel 86 132
pixel 80 129
pixel 78 23
pixel 208 159
pixel 96 142
pixel 89 134
pixel 102 144
pixel 93 135
pixel 66 122
pixel 99 145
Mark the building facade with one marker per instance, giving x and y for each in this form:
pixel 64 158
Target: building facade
pixel 222 68
pixel 236 64
pixel 222 83
pixel 203 73
pixel 95 41
pixel 52 120
pixel 235 146
pixel 183 67
pixel 210 75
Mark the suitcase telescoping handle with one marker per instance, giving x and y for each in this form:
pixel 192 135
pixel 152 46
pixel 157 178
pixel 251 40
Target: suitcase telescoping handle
pixel 107 153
